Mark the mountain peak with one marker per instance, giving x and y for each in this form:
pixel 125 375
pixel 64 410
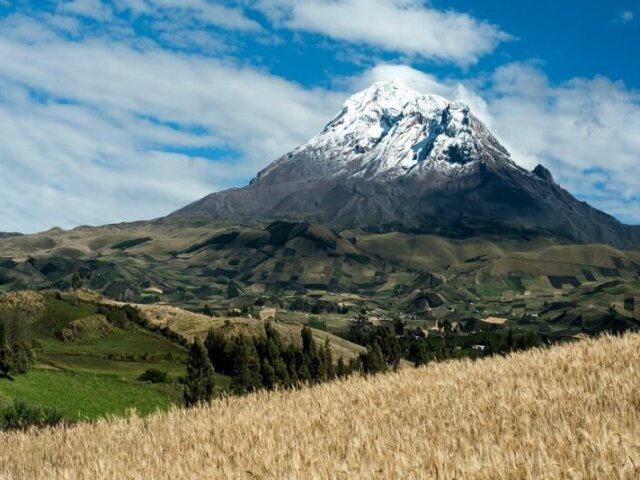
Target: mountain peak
pixel 389 131
pixel 543 173
pixel 390 97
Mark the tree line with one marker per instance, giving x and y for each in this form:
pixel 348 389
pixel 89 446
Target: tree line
pixel 266 362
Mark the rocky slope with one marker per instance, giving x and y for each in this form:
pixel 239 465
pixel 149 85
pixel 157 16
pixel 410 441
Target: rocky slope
pixel 395 159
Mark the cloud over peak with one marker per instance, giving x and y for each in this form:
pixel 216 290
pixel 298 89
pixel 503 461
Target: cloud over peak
pixel 407 27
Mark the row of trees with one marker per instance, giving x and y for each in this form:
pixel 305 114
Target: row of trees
pixel 266 362
pixel 423 351
pixel 378 338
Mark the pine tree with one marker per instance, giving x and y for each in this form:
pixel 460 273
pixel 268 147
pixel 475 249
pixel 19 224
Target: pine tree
pixel 275 352
pixel 355 365
pixel 268 375
pixel 317 367
pixel 207 310
pixel 308 343
pixel 76 282
pixel 282 374
pixel 303 373
pixel 389 345
pixel 311 367
pixel 328 360
pixel 341 368
pixel 218 350
pixel 199 382
pixel 246 366
pixel 289 356
pixel 373 361
pixel 510 340
pixel 418 353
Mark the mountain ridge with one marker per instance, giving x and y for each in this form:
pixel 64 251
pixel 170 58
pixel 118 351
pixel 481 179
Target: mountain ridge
pixel 396 159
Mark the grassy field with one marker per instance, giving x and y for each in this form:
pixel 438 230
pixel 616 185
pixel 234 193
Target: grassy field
pixel 567 412
pixel 134 342
pixel 87 395
pixel 96 374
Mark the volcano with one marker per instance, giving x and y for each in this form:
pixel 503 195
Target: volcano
pixel 394 159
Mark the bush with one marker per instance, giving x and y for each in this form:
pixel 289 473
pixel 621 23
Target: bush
pixel 23 356
pixel 153 375
pixel 20 415
pixel 115 315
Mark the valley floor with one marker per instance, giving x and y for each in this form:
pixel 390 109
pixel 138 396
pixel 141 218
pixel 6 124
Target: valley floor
pixel 571 411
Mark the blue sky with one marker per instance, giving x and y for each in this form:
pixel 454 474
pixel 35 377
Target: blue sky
pixel 118 110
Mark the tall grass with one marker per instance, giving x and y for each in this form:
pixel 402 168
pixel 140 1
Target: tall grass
pixel 567 412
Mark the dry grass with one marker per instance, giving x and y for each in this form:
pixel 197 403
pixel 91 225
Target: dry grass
pixel 192 325
pixel 30 302
pixel 568 412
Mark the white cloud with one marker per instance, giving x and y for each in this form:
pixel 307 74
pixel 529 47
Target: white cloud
pixel 202 11
pixel 582 124
pixel 87 127
pixel 403 26
pixel 626 17
pixel 95 9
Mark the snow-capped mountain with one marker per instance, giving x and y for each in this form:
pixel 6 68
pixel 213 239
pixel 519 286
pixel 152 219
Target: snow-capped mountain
pixel 388 131
pixel 394 158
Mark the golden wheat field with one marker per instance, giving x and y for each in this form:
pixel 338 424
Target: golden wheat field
pixel 567 412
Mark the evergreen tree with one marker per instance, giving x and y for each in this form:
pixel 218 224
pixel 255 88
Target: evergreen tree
pixel 389 345
pixel 207 310
pixel 328 360
pixel 282 374
pixel 218 350
pixel 76 282
pixel 199 383
pixel 246 365
pixel 355 365
pixel 308 343
pixel 269 379
pixel 419 353
pixel 510 341
pixel 317 367
pixel 289 357
pixel 274 352
pixel 341 368
pixel 303 373
pixel 398 325
pixel 373 360
pixel 310 368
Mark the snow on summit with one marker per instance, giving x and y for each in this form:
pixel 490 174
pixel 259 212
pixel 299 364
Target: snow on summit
pixel 389 130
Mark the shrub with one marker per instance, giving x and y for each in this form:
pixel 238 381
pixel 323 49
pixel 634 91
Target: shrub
pixel 115 315
pixel 23 356
pixel 153 375
pixel 20 415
